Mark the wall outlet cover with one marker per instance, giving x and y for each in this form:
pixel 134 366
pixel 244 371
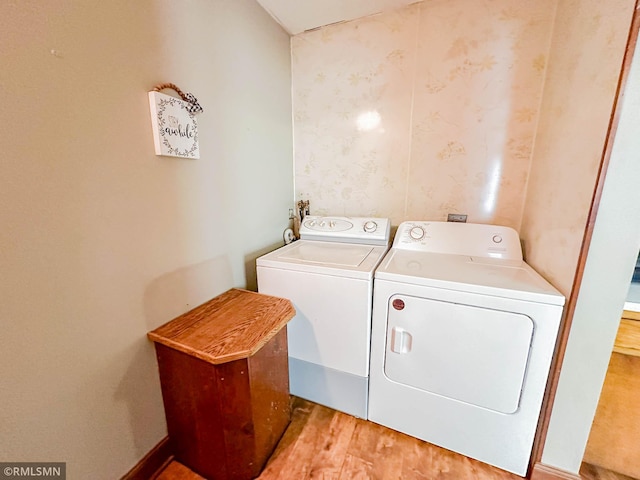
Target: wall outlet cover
pixel 456 217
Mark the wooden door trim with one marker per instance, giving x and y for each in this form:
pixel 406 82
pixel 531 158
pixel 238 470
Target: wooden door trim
pixel 561 345
pixel 545 472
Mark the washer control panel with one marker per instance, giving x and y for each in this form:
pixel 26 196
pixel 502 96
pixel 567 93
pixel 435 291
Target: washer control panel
pixel 365 230
pixel 472 239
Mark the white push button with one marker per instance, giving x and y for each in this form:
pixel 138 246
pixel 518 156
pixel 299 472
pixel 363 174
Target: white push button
pixel 497 239
pixel 370 226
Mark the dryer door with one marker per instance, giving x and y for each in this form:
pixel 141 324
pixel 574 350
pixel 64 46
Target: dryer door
pixel 471 354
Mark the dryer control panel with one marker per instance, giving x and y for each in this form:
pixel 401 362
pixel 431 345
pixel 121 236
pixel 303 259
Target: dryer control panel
pixel 364 230
pixel 472 239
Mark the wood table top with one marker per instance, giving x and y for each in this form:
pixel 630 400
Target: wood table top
pixel 231 326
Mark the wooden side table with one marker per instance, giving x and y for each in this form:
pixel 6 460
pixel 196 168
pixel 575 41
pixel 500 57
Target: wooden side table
pixel 225 383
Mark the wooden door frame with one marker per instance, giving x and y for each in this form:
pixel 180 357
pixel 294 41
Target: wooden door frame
pixel 538 471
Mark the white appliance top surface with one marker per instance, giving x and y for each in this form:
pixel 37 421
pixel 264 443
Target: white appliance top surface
pixel 364 230
pixel 331 258
pixel 501 278
pixel 474 258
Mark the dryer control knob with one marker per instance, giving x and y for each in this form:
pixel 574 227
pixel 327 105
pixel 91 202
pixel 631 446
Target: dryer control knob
pixel 370 226
pixel 416 233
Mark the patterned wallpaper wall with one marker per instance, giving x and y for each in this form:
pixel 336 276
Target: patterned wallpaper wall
pixel 586 56
pixel 427 110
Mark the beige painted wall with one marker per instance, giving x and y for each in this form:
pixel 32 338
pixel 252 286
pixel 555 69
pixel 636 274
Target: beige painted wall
pixel 457 87
pixel 101 240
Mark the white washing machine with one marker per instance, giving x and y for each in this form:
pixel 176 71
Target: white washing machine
pixel 462 340
pixel 328 275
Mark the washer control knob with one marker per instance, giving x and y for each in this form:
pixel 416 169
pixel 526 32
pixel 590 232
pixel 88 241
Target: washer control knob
pixel 497 239
pixel 332 224
pixel 370 226
pixel 322 223
pixel 416 233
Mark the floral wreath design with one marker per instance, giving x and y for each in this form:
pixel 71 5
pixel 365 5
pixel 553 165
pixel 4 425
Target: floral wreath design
pixel 162 106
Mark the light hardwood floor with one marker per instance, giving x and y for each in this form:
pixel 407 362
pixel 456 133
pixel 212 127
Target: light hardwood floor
pixel 324 444
pixel 591 472
pixel 321 443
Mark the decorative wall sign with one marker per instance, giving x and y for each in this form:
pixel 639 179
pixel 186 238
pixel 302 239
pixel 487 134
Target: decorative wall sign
pixel 175 130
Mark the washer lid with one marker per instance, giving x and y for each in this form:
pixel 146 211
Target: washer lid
pixel 331 258
pixel 497 277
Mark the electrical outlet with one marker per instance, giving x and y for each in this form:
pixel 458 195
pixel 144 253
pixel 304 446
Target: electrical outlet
pixel 457 217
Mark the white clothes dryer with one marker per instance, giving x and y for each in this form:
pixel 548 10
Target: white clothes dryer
pixel 328 275
pixel 462 341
